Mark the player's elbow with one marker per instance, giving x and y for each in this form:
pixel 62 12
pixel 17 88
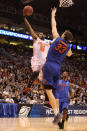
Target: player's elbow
pixel 69 54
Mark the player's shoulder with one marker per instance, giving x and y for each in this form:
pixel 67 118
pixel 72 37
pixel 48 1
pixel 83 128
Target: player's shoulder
pixel 39 39
pixel 60 81
pixel 36 40
pixel 57 39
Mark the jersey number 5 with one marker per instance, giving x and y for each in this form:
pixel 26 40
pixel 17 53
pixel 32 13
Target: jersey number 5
pixel 42 47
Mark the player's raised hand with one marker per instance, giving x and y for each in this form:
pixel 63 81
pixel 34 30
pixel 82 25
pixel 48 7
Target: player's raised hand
pixel 53 12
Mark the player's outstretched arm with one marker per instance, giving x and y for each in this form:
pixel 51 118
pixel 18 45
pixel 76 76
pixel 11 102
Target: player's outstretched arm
pixel 53 24
pixel 32 32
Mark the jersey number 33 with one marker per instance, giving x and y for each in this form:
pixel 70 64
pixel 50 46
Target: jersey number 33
pixel 61 47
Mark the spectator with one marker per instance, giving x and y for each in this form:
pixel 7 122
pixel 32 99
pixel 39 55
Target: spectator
pixel 15 73
pixel 9 99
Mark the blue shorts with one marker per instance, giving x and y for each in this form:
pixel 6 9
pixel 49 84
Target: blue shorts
pixel 56 94
pixel 51 73
pixel 62 105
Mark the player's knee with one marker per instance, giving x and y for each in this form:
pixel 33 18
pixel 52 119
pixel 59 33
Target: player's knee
pixel 49 91
pixel 46 85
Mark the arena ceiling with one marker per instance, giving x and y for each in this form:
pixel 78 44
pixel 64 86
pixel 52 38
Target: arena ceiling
pixel 73 18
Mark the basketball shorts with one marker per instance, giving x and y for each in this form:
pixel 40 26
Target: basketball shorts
pixel 62 105
pixel 51 74
pixel 56 94
pixel 36 64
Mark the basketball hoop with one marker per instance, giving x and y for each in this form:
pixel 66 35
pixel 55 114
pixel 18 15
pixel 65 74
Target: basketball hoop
pixel 65 3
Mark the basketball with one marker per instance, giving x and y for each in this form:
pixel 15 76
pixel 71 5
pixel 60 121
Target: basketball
pixel 28 11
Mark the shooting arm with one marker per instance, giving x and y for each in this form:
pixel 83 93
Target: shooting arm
pixel 32 33
pixel 53 24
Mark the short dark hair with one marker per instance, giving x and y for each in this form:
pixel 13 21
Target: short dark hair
pixel 68 35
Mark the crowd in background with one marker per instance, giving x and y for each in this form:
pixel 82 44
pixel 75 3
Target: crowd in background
pixel 78 77
pixel 15 71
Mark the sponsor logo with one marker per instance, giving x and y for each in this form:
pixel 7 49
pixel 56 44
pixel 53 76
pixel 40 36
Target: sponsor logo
pixel 84 112
pixel 24 111
pixel 49 112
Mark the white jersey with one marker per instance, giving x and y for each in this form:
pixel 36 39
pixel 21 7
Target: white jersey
pixel 40 51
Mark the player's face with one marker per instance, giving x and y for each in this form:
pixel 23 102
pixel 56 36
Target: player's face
pixel 65 75
pixel 41 35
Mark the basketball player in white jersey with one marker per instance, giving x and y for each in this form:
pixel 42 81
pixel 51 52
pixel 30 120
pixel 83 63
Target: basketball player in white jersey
pixel 40 50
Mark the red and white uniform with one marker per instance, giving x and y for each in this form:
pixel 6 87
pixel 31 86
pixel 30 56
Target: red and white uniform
pixel 40 51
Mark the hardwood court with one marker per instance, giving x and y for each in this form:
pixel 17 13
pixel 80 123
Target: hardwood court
pixel 41 124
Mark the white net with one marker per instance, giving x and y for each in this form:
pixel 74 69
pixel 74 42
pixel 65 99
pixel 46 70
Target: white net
pixel 65 3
